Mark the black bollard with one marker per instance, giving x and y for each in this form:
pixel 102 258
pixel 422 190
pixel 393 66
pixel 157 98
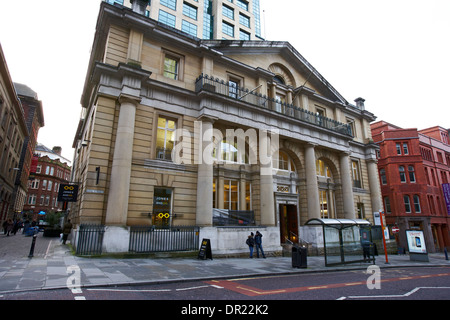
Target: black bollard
pixel 446 254
pixel 33 243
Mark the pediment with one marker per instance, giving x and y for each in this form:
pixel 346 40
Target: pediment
pixel 281 59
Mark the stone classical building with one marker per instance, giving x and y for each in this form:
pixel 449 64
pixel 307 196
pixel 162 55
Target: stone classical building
pixel 230 136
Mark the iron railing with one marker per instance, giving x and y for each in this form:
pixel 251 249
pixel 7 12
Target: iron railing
pixel 220 87
pixel 147 239
pixel 90 239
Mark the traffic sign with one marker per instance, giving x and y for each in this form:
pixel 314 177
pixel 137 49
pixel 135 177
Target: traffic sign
pixel 395 229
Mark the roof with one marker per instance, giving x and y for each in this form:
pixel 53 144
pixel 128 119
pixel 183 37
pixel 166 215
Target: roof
pixel 337 223
pixel 24 90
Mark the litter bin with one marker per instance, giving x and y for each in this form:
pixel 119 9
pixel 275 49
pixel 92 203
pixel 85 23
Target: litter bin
pixel 299 257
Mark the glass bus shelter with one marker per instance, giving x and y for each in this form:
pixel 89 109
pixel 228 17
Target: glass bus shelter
pixel 345 240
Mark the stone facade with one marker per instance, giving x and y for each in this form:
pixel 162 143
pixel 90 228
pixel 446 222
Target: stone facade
pixel 176 123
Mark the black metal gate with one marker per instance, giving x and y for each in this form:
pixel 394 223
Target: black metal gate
pixel 146 239
pixel 90 239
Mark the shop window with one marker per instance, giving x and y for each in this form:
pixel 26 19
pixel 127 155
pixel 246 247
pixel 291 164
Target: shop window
pixel 162 207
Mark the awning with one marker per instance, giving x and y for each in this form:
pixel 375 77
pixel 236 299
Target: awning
pixel 337 223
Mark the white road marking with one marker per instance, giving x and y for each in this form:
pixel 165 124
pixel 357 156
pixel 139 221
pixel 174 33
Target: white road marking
pixel 393 295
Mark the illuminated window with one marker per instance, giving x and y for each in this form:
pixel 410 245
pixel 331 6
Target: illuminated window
pixel 165 138
pixel 284 162
pixel 231 195
pixel 322 169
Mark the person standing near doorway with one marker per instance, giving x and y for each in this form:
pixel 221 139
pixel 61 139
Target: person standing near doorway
pixel 251 243
pixel 258 243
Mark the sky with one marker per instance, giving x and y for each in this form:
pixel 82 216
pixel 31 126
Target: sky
pixel 393 53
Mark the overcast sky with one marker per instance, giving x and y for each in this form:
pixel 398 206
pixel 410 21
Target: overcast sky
pixel 393 53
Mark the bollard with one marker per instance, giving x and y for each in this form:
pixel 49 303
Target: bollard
pixel 33 243
pixel 446 254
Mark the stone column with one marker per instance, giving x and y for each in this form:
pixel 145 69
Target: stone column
pixel 347 186
pixel 374 185
pixel 242 198
pixel 266 180
pixel 312 188
pixel 117 207
pixel 266 196
pixel 205 176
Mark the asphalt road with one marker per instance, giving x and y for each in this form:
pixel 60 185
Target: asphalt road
pixel 419 283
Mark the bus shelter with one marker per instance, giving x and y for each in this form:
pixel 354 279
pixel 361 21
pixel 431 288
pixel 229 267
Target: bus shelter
pixel 345 240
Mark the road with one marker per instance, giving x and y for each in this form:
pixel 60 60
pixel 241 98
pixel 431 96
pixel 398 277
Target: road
pixel 419 283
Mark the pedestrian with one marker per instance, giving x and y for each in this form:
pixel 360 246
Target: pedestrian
pixel 9 227
pixel 251 243
pixel 5 224
pixel 258 243
pixel 15 227
pixel 66 230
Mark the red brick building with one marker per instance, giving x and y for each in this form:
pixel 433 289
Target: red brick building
pixel 413 166
pixel 52 170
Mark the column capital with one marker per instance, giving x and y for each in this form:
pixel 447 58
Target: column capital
pixel 123 98
pixel 310 145
pixel 345 153
pixel 205 118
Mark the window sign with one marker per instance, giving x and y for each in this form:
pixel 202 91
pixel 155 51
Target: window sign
pixel 162 207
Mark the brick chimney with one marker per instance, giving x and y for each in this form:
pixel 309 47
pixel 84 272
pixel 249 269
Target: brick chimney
pixel 360 103
pixel 57 150
pixel 139 6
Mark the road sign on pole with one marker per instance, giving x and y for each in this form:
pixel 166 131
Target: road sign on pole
pixel 384 238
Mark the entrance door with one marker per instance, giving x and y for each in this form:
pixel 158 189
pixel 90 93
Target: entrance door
pixel 288 223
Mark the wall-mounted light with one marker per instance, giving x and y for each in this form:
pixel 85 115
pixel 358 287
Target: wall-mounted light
pixel 85 143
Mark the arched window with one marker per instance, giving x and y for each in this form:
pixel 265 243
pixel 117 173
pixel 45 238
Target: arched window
pixel 227 151
pixel 322 169
pixel 407 202
pixel 417 208
pixel 401 170
pixel 285 162
pixel 412 176
pixel 279 79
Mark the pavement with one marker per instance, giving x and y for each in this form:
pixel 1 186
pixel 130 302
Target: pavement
pixel 53 265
